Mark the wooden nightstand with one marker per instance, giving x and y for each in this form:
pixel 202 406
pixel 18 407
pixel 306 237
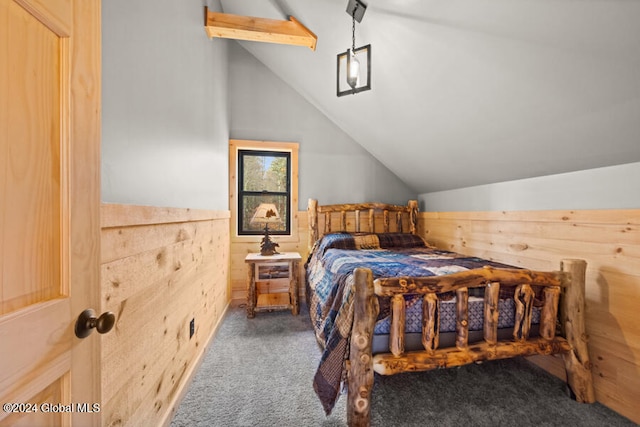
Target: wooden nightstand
pixel 272 282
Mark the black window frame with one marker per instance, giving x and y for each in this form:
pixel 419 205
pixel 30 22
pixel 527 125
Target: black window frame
pixel 286 217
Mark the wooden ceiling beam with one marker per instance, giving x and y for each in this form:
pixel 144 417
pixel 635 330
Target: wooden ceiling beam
pixel 239 27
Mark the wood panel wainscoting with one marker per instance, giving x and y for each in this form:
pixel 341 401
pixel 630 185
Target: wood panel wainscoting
pixel 160 268
pixel 609 241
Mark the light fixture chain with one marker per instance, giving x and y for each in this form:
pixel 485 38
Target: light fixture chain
pixel 353 29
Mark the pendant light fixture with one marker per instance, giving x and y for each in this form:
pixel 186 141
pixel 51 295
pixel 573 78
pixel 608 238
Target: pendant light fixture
pixel 354 65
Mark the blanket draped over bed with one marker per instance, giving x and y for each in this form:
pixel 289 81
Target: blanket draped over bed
pixel 330 289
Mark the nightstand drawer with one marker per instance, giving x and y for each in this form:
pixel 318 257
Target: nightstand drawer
pixel 279 270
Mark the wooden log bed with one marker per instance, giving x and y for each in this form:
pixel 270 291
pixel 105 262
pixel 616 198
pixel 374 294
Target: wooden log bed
pixel 561 325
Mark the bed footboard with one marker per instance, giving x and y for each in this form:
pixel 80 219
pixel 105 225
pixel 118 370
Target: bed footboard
pixel 571 342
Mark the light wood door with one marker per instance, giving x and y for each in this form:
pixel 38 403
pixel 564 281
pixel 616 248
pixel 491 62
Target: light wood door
pixel 49 210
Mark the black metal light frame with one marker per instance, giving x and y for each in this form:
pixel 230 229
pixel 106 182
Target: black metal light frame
pixel 355 9
pixel 345 56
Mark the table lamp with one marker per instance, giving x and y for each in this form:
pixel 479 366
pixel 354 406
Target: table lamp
pixel 266 213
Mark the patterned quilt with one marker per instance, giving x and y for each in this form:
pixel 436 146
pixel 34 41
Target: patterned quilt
pixel 330 289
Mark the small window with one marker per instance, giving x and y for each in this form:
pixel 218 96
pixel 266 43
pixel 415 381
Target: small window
pixel 264 177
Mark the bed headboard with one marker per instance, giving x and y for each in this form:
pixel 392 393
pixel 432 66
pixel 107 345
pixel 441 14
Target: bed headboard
pixel 361 217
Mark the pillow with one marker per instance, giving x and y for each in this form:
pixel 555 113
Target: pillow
pixel 354 241
pixel 400 240
pixel 366 241
pixel 340 240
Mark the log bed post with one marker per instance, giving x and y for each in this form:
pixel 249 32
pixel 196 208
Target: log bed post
pixel 462 318
pixel 491 312
pixel 430 322
pixel 327 222
pixel 549 313
pixel 413 216
pixel 576 360
pixel 312 212
pixel 523 300
pixel 360 374
pixel 398 320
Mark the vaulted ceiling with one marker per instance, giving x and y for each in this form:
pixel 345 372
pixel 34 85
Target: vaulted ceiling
pixel 470 92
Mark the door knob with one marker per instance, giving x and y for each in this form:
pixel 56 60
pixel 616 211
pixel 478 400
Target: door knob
pixel 88 320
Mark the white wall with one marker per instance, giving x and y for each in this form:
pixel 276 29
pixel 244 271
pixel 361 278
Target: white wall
pixel 614 187
pixel 333 167
pixel 172 98
pixel 165 118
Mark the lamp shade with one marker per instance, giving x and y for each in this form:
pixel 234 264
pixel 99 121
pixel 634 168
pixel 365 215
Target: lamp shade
pixel 353 71
pixel 266 213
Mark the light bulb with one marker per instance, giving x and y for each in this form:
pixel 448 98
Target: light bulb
pixel 353 78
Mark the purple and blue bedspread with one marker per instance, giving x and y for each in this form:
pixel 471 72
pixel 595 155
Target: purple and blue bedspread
pixel 330 290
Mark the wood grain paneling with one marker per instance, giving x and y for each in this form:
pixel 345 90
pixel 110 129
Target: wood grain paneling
pixel 30 161
pixel 609 240
pixel 160 269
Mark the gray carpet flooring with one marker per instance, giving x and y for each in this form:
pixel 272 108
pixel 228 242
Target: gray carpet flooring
pixel 259 372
